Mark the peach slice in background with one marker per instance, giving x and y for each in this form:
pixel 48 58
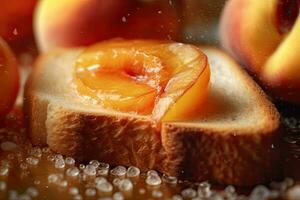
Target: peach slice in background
pixel 165 79
pixel 265 36
pixel 9 78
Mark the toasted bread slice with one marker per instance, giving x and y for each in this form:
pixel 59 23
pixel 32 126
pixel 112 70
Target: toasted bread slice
pixel 234 140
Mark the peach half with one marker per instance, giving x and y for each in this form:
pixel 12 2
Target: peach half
pixel 72 23
pixel 265 37
pixel 164 79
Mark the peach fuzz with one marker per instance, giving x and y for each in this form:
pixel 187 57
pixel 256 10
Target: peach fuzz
pixel 252 32
pixel 16 19
pixel 72 23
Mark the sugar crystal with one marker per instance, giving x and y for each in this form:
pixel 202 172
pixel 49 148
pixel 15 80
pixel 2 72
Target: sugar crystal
pixel 95 163
pixel 90 170
pixel 153 180
pixel 169 179
pixel 59 163
pixel 118 171
pixel 32 160
pixel 133 171
pixel 72 171
pixel 188 193
pixel 105 187
pixel 69 161
pixel 125 185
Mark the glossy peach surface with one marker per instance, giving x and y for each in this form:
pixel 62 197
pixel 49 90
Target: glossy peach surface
pixel 144 76
pixel 265 36
pixel 90 21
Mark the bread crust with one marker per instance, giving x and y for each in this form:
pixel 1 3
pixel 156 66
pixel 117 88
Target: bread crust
pixel 241 157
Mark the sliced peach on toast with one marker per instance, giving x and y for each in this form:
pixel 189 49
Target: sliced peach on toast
pixel 163 79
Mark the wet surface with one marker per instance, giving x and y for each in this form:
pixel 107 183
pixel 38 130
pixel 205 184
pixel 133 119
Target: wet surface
pixel 28 172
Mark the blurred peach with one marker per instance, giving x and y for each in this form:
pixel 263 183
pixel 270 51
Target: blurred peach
pixel 9 78
pixel 265 37
pixel 16 19
pixel 72 23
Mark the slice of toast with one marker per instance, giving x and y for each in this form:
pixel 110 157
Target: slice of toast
pixel 234 140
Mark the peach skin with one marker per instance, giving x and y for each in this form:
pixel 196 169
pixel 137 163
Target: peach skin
pixel 265 37
pixel 9 78
pixel 87 22
pixel 16 19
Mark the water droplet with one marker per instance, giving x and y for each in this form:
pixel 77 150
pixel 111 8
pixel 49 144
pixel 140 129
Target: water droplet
pixel 90 192
pixel 51 158
pixel 72 171
pixel 3 185
pixel 188 193
pixel 63 183
pixel 204 190
pixel 77 197
pixel 124 19
pixel 105 187
pixel 73 191
pixel 153 180
pixel 4 170
pixel 293 193
pixel 81 166
pixel 133 171
pixel 152 172
pixel 24 197
pixel 142 191
pixel 229 189
pixel 169 179
pixel 99 180
pixel 116 182
pixel 45 150
pixel 118 196
pixel 69 161
pixel 58 156
pixel 23 166
pixel 157 194
pixel 125 185
pixel 15 31
pixel 118 171
pixel 177 197
pixel 32 160
pixel 36 151
pixel 32 191
pixel 12 195
pixel 90 170
pixel 95 163
pixel 54 178
pixel 259 192
pixel 59 163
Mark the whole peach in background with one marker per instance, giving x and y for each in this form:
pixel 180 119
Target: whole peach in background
pixel 70 23
pixel 9 78
pixel 265 37
pixel 16 19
